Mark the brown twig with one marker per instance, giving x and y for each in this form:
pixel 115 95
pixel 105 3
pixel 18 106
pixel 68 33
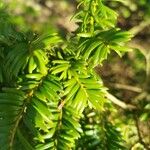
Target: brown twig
pixel 137 29
pixel 119 102
pixel 127 87
pixel 139 133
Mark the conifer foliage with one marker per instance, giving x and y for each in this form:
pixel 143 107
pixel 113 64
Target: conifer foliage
pixel 48 86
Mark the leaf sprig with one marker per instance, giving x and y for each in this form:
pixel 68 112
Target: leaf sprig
pixel 46 83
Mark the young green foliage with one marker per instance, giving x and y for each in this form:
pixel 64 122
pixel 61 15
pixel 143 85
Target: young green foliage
pixel 46 83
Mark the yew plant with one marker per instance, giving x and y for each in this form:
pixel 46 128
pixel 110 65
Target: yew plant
pixel 49 88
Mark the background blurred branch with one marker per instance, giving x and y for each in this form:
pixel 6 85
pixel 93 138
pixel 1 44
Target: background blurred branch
pixel 127 87
pixel 137 29
pixel 140 134
pixel 119 102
